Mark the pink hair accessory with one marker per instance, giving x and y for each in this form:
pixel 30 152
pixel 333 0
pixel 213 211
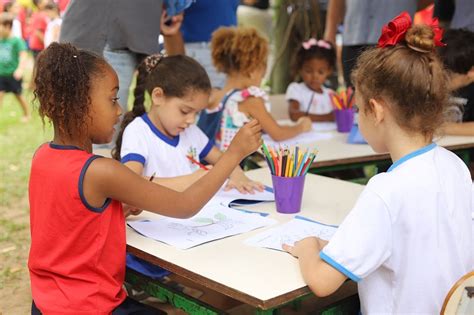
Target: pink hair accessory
pixel 314 42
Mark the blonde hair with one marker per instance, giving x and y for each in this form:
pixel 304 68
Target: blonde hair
pixel 238 49
pixel 410 77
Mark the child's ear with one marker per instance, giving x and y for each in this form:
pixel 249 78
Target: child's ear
pixel 157 96
pixel 378 109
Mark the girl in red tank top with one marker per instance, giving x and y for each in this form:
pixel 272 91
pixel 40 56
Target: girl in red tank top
pixel 77 255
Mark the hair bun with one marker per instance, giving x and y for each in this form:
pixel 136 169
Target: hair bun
pixel 420 38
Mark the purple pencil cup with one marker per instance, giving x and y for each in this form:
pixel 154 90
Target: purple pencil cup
pixel 288 193
pixel 344 119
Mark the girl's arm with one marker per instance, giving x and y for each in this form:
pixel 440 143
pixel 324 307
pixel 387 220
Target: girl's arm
pixel 254 107
pixel 321 278
pixel 459 129
pixel 295 113
pixel 107 178
pixel 178 183
pixel 237 178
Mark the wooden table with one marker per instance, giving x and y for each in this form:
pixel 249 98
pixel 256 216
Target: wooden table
pixel 262 278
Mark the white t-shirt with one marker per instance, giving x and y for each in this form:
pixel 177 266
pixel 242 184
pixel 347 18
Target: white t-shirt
pixel 143 142
pixel 311 102
pixel 408 238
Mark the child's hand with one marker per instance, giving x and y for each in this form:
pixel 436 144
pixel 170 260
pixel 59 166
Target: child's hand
pixel 306 245
pixel 305 124
pixel 170 25
pixel 242 183
pixel 247 140
pixel 130 210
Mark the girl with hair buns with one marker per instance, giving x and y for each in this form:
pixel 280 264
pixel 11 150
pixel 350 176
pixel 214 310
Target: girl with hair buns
pixel 77 253
pixel 408 238
pixel 241 53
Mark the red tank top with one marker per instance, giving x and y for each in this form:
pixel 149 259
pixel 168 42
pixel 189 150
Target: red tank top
pixel 77 254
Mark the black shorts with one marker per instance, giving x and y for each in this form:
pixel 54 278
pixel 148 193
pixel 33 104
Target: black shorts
pixel 10 85
pixel 128 307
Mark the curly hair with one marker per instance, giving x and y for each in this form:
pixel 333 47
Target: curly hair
pixel 238 49
pixel 314 52
pixel 176 75
pixel 410 77
pixel 458 54
pixel 63 81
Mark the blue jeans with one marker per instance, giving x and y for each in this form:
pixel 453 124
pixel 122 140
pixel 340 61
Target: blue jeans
pixel 201 52
pixel 124 62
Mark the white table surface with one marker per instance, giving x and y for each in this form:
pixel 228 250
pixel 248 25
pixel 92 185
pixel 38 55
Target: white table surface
pixel 259 277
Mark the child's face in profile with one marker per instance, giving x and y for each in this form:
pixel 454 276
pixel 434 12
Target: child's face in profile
pixel 314 73
pixel 105 110
pixel 177 113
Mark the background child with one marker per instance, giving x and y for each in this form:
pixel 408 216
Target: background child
pixel 77 253
pixel 416 213
pixel 13 57
pixel 241 53
pixel 458 57
pixel 165 140
pixel 53 28
pixel 314 62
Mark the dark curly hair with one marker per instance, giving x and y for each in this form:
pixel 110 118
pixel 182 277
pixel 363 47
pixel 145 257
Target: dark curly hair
pixel 63 81
pixel 410 76
pixel 176 75
pixel 314 52
pixel 458 54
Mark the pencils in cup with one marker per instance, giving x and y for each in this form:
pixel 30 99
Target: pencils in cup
pixel 288 162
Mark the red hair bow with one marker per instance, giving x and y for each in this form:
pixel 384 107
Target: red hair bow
pixel 394 32
pixel 438 33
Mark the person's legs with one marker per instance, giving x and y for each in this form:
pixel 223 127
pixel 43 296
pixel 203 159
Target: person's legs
pixel 127 307
pixel 201 52
pixel 124 62
pixel 349 59
pixel 16 88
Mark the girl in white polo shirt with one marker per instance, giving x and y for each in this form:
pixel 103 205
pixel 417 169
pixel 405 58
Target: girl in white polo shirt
pixel 165 141
pixel 408 238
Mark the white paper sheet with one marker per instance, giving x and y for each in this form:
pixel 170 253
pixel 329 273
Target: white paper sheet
pixel 213 222
pixel 317 126
pixel 234 197
pixel 290 232
pixel 307 137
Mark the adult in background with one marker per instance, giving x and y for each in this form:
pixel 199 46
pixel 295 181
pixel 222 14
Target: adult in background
pixel 201 19
pixel 123 31
pixel 363 20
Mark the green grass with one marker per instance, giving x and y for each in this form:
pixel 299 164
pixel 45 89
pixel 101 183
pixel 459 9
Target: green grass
pixel 18 142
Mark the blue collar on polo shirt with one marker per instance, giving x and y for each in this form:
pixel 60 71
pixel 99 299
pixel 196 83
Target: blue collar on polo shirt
pixel 411 155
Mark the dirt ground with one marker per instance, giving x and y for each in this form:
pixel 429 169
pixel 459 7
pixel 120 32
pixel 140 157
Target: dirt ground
pixel 15 296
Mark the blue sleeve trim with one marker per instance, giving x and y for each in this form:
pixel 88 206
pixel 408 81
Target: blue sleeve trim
pixel 206 150
pixel 81 187
pixel 133 157
pixel 339 267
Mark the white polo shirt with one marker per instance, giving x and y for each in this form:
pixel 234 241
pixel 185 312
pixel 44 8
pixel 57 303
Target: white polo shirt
pixel 311 102
pixel 143 142
pixel 408 238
